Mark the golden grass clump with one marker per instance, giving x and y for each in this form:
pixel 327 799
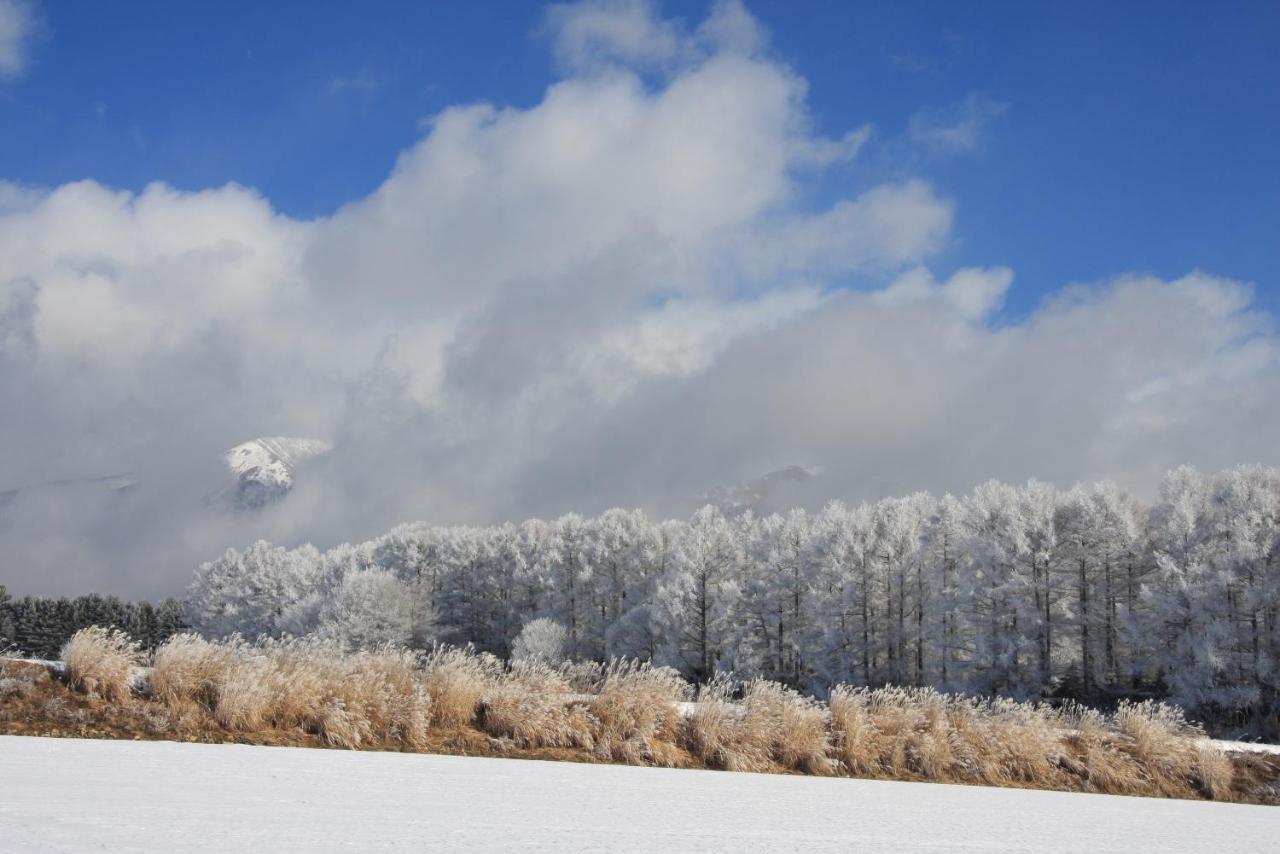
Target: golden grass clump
pixel 789 725
pixel 1163 743
pixel 714 732
pixel 1026 740
pixel 636 713
pixel 189 669
pixel 393 696
pixel 1095 757
pixel 1216 773
pixel 895 731
pixel 857 739
pixel 247 697
pixel 772 726
pixel 100 661
pixel 457 678
pixel 530 705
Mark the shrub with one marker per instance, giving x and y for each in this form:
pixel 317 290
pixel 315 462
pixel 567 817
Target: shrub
pixel 541 639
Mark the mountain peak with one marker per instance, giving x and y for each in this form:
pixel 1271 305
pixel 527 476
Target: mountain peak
pixel 264 469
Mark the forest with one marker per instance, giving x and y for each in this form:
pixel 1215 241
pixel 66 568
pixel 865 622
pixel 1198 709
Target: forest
pixel 40 625
pixel 1026 591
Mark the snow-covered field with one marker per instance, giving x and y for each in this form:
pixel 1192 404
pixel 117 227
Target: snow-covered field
pixel 120 796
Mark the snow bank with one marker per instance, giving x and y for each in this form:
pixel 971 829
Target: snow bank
pixel 155 796
pixel 1245 746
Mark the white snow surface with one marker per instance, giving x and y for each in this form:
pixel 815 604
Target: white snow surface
pixel 126 796
pixel 1245 746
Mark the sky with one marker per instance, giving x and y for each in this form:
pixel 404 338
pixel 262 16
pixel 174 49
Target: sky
pixel 518 260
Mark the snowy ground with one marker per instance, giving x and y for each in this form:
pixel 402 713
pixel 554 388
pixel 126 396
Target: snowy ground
pixel 1245 746
pixel 124 796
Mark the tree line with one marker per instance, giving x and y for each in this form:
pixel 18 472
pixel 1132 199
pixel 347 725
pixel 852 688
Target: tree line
pixel 38 626
pixel 1016 590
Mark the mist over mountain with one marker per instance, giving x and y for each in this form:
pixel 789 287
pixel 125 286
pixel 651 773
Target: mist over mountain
pixel 263 470
pixel 772 492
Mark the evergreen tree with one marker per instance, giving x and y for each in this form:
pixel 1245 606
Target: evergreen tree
pixel 8 627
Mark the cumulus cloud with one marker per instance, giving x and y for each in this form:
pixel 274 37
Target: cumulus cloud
pixel 620 295
pixel 17 24
pixel 591 37
pixel 628 31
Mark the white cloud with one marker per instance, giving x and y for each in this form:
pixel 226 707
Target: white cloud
pixel 593 36
pixel 627 31
pixel 17 24
pixel 973 293
pixel 16 197
pixel 956 129
pixel 617 295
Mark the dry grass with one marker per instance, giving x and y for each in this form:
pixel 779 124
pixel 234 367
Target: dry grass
pixel 774 727
pixel 529 706
pixel 349 700
pixel 1165 746
pixel 1215 773
pixel 189 669
pixel 636 714
pixel 1026 741
pixel 1145 749
pixel 457 679
pixel 101 662
pixel 309 691
pixel 1096 758
pixel 716 732
pixel 790 727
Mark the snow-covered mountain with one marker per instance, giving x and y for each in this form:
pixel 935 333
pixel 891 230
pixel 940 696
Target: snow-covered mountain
pixel 263 470
pixel 761 494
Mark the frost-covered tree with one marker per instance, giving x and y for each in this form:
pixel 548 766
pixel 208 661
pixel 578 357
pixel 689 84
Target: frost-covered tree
pixel 1211 605
pixel 1038 540
pixel 944 627
pixel 777 603
pixel 543 640
pixel 266 590
pixel 369 608
pixel 696 596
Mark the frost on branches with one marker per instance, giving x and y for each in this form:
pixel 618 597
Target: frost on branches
pixel 1022 591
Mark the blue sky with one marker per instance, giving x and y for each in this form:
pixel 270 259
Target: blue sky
pixel 1134 136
